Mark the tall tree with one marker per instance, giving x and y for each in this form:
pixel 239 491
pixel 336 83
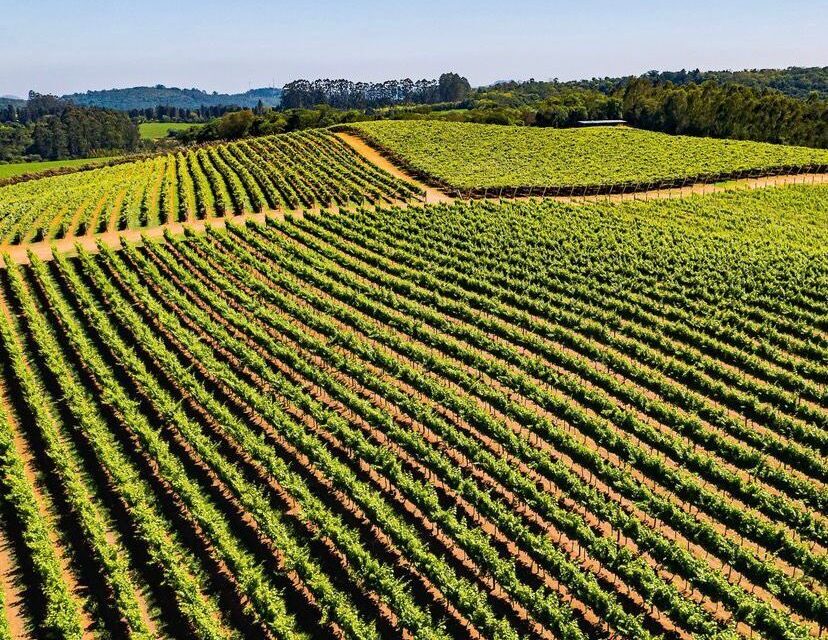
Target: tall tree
pixel 453 88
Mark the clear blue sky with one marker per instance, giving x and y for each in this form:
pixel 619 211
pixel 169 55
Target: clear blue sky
pixel 74 45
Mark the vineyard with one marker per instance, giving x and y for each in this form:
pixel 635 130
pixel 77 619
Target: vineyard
pixel 479 420
pixel 289 171
pixel 493 160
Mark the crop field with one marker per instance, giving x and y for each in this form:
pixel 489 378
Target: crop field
pixel 159 130
pixel 493 159
pixel 22 168
pixel 483 420
pixel 278 172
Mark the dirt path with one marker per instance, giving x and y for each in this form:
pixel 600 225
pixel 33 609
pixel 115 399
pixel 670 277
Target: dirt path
pixel 373 156
pixel 11 582
pixel 114 239
pixel 702 188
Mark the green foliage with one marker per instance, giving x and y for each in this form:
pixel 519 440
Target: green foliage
pixel 533 418
pixel 234 125
pixel 13 170
pixel 479 156
pixel 729 111
pixel 740 105
pixel 50 128
pixel 346 94
pixel 192 99
pixel 797 82
pixel 269 123
pixel 289 171
pixel 62 610
pixel 160 130
pixel 452 87
pixel 14 140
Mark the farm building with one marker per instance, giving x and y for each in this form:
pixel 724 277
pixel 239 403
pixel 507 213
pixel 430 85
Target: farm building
pixel 601 123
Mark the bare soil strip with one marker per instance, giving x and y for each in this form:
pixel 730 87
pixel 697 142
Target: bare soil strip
pixel 376 158
pixel 11 581
pixel 19 254
pixel 704 188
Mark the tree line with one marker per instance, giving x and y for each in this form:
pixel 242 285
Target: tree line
pixel 190 99
pixel 718 104
pixel 726 111
pixel 246 122
pixel 169 113
pixel 710 108
pixel 49 128
pixel 797 82
pixel 346 94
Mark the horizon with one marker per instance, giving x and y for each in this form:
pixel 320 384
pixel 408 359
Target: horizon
pixel 459 71
pixel 91 46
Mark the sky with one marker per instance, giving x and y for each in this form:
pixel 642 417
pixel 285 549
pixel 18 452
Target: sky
pixel 60 46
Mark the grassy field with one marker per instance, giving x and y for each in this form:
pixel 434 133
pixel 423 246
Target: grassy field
pixel 158 130
pixel 12 170
pixel 485 420
pixel 472 155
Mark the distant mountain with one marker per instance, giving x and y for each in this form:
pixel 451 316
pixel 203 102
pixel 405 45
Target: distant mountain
pixel 147 97
pixel 17 102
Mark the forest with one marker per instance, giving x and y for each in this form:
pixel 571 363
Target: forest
pixel 49 128
pixel 190 99
pixel 730 111
pixel 797 82
pixel 167 113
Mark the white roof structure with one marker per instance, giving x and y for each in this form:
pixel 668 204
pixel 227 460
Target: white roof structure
pixel 595 123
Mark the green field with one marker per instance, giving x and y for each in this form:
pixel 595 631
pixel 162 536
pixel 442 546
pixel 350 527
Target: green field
pixel 159 130
pixel 569 421
pixel 468 156
pixel 290 171
pixel 21 168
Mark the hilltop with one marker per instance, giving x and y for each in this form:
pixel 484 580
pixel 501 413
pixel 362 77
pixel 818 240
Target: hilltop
pixel 147 97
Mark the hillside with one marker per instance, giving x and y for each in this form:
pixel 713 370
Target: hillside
pixel 465 421
pixel 470 156
pixel 12 100
pixel 316 168
pixel 148 97
pixel 276 388
pixel 14 170
pixel 278 172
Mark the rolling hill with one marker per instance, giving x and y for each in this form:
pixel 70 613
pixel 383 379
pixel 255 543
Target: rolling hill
pixel 146 97
pixel 356 415
pixel 475 158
